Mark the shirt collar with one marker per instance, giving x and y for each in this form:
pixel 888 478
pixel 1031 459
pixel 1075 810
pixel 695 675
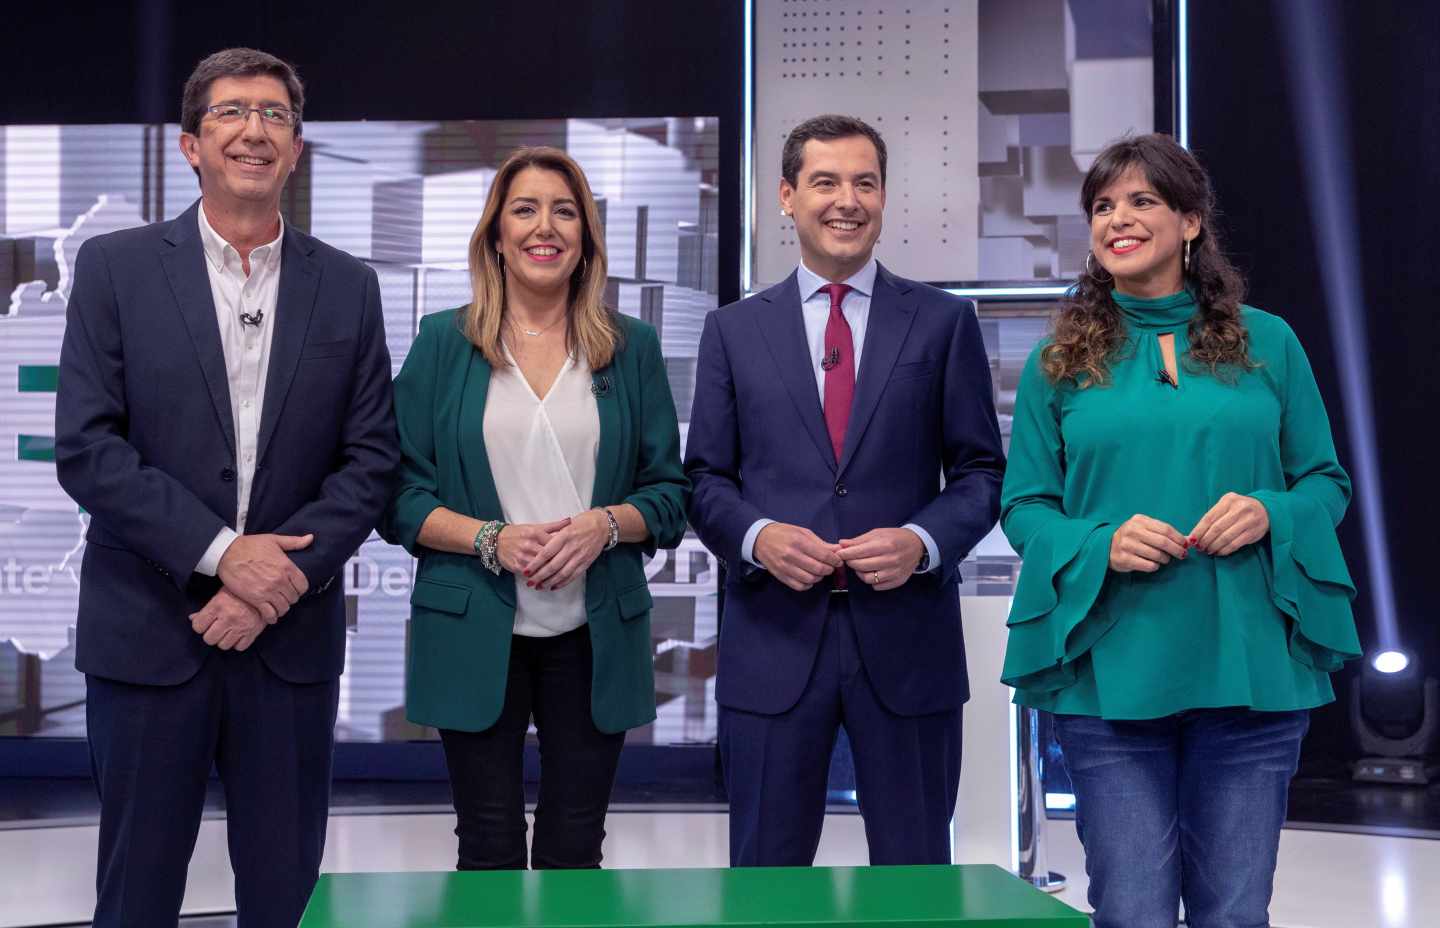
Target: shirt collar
pixel 217 249
pixel 862 281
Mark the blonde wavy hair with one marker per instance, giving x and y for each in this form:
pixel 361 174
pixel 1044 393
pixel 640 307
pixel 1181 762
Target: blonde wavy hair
pixel 593 331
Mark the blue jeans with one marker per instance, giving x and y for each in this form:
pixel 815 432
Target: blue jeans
pixel 1186 807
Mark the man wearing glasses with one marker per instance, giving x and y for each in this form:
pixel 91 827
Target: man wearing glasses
pixel 224 417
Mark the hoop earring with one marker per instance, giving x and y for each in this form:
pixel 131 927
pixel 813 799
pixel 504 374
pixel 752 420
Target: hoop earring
pixel 1090 263
pixel 1187 256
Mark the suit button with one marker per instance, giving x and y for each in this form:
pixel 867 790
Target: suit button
pixel 227 474
pixel 840 489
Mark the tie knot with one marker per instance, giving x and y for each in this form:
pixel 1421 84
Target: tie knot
pixel 837 294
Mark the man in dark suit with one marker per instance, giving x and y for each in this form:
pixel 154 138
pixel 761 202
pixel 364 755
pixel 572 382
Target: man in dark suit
pixel 224 416
pixel 827 409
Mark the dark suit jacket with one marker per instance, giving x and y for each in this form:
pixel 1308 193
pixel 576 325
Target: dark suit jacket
pixel 462 616
pixel 758 448
pixel 144 442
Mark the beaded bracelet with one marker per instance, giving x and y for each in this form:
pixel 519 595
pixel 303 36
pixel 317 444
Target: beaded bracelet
pixel 613 538
pixel 487 545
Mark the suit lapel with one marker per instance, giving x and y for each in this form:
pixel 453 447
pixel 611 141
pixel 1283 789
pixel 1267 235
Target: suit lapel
pixel 782 326
pixel 294 305
pixel 892 310
pixel 604 384
pixel 481 496
pixel 184 263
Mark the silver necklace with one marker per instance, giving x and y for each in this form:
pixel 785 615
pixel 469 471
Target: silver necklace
pixel 536 333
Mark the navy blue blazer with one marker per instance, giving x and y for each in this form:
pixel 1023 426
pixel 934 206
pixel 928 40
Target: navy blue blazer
pixel 757 448
pixel 145 443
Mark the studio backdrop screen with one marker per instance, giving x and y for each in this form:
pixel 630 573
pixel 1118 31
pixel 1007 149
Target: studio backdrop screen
pixel 404 197
pixel 992 111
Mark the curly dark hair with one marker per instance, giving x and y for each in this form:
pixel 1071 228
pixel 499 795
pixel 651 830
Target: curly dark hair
pixel 1088 331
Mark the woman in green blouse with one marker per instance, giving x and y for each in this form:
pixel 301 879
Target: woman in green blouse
pixel 1173 489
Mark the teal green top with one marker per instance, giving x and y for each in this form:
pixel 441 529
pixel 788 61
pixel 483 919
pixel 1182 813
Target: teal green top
pixel 1262 628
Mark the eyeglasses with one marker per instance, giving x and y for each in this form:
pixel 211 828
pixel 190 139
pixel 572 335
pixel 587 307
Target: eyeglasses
pixel 277 116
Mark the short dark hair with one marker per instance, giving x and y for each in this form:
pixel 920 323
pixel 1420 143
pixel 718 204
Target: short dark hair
pixel 825 128
pixel 236 62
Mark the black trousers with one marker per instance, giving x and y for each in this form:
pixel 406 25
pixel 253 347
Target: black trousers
pixel 151 751
pixel 549 678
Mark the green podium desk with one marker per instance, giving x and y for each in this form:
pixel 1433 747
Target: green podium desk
pixel 787 897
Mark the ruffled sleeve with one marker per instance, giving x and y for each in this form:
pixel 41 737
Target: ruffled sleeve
pixel 1309 581
pixel 1066 560
pixel 1308 578
pixel 1053 620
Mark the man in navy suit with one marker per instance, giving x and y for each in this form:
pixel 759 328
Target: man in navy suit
pixel 827 411
pixel 224 416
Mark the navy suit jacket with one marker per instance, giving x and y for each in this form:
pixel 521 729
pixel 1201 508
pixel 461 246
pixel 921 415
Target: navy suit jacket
pixel 758 448
pixel 145 443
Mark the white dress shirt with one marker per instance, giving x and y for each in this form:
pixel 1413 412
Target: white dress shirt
pixel 247 356
pixel 815 307
pixel 542 457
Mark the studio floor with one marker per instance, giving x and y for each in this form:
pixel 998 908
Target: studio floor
pixel 1326 879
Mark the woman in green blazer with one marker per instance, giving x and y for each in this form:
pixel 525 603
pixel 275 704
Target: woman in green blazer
pixel 541 464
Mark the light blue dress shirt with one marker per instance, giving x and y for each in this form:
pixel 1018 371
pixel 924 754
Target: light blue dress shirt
pixel 815 307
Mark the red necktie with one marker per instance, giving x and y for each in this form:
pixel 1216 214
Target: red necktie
pixel 840 372
pixel 839 381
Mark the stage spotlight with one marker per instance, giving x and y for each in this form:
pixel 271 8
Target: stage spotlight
pixel 1395 711
pixel 1390 661
pixel 1312 52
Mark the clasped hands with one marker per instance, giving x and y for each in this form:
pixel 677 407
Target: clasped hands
pixel 550 555
pixel 261 583
pixel 883 558
pixel 1145 544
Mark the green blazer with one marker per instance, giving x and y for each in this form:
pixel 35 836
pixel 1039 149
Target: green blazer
pixel 462 616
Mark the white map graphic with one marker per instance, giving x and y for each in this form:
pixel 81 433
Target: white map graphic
pixel 41 529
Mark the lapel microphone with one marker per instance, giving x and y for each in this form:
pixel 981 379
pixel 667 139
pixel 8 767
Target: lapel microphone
pixel 601 387
pixel 831 359
pixel 255 320
pixel 1165 378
